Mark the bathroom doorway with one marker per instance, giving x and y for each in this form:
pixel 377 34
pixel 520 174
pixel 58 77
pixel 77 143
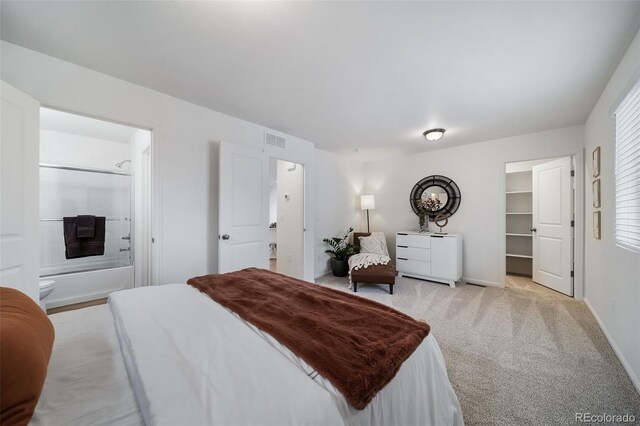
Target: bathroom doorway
pixel 286 217
pixel 97 171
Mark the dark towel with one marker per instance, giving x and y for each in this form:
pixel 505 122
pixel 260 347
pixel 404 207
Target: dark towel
pixel 86 226
pixel 83 247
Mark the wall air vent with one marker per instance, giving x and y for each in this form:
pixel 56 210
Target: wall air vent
pixel 273 140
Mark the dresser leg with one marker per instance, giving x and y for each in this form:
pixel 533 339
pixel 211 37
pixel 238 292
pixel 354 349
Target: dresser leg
pixel 452 284
pixel 355 287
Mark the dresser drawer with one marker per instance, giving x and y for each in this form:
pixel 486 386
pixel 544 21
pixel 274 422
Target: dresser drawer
pixel 413 267
pixel 413 253
pixel 411 240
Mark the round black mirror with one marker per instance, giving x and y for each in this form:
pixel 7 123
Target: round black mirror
pixel 439 195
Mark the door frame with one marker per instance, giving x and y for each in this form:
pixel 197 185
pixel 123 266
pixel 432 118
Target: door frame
pixel 145 173
pixel 578 160
pixel 154 189
pixel 307 163
pixel 304 205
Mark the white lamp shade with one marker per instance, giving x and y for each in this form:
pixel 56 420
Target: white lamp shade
pixel 367 202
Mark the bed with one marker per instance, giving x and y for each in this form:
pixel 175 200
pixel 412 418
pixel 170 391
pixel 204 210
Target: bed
pixel 170 355
pixel 87 381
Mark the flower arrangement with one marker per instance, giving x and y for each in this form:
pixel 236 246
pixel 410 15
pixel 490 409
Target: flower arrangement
pixel 429 204
pixel 425 206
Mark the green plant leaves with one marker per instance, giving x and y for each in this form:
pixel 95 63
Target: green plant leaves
pixel 341 248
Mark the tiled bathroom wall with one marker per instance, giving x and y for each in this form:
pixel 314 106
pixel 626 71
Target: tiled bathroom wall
pixel 72 193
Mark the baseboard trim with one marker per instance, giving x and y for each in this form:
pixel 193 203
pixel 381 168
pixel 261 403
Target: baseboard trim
pixel 623 361
pixel 481 282
pixel 322 274
pixel 78 299
pixel 76 306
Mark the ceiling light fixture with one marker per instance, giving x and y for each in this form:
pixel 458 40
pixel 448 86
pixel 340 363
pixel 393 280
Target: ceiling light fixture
pixel 433 134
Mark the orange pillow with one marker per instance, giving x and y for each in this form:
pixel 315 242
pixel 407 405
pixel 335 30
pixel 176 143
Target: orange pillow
pixel 26 339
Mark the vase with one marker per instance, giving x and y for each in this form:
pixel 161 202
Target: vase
pixel 423 222
pixel 340 268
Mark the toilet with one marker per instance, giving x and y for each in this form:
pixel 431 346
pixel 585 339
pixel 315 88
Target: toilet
pixel 46 287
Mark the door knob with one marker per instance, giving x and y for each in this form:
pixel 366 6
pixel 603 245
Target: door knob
pixel 226 237
pixel 533 230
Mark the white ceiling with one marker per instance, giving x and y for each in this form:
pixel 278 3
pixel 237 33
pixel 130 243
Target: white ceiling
pixel 51 119
pixel 351 75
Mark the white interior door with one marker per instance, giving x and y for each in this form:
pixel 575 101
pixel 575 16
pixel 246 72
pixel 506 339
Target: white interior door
pixel 244 210
pixel 19 183
pixel 552 214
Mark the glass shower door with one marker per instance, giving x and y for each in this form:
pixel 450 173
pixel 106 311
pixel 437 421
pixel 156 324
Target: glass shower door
pixel 68 191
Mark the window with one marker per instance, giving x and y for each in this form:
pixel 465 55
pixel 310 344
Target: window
pixel 627 172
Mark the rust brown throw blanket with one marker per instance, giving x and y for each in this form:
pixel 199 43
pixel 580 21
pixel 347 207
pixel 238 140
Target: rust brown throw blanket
pixel 355 343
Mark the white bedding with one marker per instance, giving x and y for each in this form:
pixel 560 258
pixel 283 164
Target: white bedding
pixel 185 370
pixel 87 382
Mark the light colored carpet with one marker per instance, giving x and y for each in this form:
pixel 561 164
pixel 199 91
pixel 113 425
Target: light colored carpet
pixel 524 355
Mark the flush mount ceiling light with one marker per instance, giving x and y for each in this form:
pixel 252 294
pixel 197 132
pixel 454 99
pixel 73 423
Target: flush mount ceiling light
pixel 433 134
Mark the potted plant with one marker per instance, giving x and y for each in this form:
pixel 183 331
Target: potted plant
pixel 341 249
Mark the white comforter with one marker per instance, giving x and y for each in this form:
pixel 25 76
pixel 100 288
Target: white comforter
pixel 191 361
pixel 87 382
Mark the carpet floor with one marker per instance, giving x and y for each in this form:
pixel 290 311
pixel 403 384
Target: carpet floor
pixel 524 355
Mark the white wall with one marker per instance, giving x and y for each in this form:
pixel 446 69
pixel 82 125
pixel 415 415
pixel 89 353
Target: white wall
pixel 185 153
pixel 290 205
pixel 140 240
pixel 339 183
pixel 612 273
pixel 479 171
pixel 66 149
pixel 525 166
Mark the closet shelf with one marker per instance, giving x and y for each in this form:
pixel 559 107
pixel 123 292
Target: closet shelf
pixel 519 218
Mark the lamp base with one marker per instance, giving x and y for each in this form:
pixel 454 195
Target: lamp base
pixel 368 221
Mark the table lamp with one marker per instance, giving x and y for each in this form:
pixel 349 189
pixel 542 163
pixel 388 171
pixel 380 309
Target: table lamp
pixel 367 202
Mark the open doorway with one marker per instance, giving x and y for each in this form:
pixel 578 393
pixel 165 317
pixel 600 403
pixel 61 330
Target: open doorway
pixel 286 218
pixel 540 217
pixel 99 171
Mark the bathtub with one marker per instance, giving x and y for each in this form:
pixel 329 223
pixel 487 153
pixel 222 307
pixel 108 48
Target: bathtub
pixel 84 286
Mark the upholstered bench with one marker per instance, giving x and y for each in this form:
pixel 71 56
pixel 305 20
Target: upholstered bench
pixel 374 274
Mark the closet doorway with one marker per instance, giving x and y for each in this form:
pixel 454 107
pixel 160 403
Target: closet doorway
pixel 540 217
pixel 286 217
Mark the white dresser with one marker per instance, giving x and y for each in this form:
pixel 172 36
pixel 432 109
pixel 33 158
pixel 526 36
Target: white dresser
pixel 433 257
